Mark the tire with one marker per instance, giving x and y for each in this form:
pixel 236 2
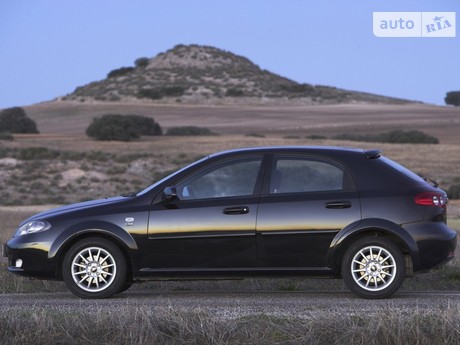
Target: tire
pixel 373 268
pixel 94 268
pixel 125 286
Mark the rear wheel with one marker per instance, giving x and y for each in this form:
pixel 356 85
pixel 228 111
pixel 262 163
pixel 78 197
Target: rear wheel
pixel 373 267
pixel 94 268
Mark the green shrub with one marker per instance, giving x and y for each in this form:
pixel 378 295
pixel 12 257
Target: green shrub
pixel 255 135
pixel 393 137
pixel 120 72
pixel 454 191
pixel 6 136
pixel 31 153
pixel 158 93
pixel 141 62
pixel 190 131
pixel 150 93
pixel 122 127
pixel 315 137
pixel 145 125
pixel 234 92
pixel 453 98
pixel 112 127
pixel 15 120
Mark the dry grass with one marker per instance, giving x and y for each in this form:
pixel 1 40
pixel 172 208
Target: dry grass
pixel 442 122
pixel 92 170
pixel 147 325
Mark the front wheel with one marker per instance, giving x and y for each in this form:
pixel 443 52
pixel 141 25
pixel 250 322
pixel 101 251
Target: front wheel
pixel 94 268
pixel 373 267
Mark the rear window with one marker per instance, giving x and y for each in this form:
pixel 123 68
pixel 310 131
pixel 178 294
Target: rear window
pixel 403 170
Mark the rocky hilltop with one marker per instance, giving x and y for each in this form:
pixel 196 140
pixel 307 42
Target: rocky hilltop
pixel 194 74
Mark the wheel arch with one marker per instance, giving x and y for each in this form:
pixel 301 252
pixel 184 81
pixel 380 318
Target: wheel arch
pixel 115 234
pixel 369 228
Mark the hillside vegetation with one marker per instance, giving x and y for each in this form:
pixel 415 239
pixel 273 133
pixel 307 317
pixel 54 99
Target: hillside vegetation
pixel 195 74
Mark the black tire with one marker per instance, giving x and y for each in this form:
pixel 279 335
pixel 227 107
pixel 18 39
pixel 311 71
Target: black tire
pixel 373 267
pixel 94 268
pixel 126 286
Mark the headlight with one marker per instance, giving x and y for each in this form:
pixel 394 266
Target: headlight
pixel 32 227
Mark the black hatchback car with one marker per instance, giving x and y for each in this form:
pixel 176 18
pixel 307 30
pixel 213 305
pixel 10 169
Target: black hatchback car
pixel 276 212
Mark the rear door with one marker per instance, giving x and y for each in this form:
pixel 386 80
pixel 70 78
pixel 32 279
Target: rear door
pixel 307 200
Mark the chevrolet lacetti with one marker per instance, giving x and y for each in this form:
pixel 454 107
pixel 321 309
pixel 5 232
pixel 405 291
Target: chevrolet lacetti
pixel 270 212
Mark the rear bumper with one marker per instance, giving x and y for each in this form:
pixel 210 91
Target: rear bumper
pixel 436 244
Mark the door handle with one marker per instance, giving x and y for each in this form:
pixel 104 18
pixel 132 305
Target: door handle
pixel 236 210
pixel 338 204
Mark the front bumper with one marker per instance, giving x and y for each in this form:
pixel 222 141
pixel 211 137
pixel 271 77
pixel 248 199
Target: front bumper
pixel 29 259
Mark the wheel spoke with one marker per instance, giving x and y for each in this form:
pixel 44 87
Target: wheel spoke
pixel 84 259
pixel 79 273
pixel 363 255
pixel 373 268
pixel 83 279
pixel 93 269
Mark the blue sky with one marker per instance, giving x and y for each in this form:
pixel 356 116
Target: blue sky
pixel 49 47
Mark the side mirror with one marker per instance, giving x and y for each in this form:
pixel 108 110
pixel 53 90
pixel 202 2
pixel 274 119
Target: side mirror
pixel 169 193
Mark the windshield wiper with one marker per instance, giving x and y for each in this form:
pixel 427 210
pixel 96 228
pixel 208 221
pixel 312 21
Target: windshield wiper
pixel 433 182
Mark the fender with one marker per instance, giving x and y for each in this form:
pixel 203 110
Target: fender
pixel 101 227
pixel 371 224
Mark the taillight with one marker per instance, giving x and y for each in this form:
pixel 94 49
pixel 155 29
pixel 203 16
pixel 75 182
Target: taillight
pixel 431 199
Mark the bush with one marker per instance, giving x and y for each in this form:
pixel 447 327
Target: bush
pixel 234 93
pixel 15 120
pixel 120 72
pixel 454 191
pixel 158 93
pixel 190 131
pixel 393 137
pixel 150 93
pixel 453 98
pixel 145 125
pixel 32 153
pixel 122 127
pixel 6 136
pixel 141 62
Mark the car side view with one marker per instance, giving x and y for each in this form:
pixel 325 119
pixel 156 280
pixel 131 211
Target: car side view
pixel 271 212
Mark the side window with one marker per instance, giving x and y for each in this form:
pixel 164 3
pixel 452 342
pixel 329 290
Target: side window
pixel 300 175
pixel 233 178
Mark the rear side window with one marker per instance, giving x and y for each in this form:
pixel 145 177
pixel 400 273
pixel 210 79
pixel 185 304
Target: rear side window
pixel 401 169
pixel 301 175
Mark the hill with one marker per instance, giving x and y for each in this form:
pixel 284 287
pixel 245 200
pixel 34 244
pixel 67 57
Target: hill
pixel 194 74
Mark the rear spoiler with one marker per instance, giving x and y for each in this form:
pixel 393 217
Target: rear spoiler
pixel 372 154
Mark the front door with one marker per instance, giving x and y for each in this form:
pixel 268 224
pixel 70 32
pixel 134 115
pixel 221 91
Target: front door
pixel 211 223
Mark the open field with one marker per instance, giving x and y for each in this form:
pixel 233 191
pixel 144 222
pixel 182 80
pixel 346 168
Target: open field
pixel 328 120
pixel 62 165
pixel 59 169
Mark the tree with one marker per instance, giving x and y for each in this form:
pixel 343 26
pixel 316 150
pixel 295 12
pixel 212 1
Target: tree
pixel 122 127
pixel 15 120
pixel 453 98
